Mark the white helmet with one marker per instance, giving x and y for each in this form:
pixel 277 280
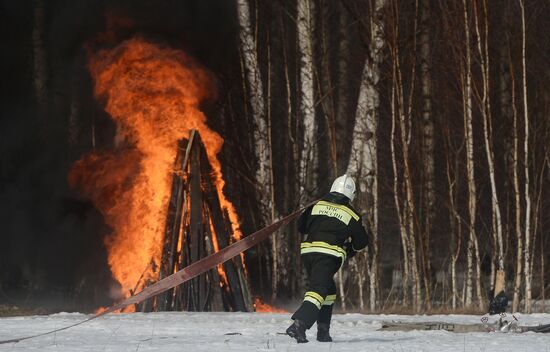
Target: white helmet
pixel 345 185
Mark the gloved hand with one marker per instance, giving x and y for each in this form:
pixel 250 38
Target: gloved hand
pixel 350 252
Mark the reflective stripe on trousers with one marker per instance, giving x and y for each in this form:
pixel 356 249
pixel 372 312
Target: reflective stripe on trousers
pixel 318 300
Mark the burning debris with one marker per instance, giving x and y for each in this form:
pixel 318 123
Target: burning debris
pixel 197 227
pixel 153 95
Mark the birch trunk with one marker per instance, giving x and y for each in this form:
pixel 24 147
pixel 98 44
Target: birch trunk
pixel 249 53
pixel 275 250
pixel 257 104
pixel 454 291
pixel 526 192
pixel 308 155
pixel 483 49
pixel 538 197
pixel 455 249
pixel 363 162
pixel 468 128
pixel 403 110
pixel 479 297
pixel 292 191
pixel 409 210
pixel 517 201
pixel 360 279
pixel 325 88
pixel 262 137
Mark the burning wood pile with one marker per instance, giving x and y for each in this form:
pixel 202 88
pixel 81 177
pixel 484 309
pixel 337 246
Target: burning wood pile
pixel 197 226
pixel 159 221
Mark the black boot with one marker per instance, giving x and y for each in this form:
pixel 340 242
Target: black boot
pixel 298 331
pixel 322 332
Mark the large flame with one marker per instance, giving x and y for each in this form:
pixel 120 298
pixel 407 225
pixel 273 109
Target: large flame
pixel 153 94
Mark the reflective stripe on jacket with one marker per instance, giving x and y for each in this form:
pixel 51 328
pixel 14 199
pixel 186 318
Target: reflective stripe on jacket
pixel 322 247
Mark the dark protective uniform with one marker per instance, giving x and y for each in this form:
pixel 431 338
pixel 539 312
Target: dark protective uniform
pixel 332 229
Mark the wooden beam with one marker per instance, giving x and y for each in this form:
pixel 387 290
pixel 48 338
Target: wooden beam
pixel 216 300
pixel 173 219
pixel 196 222
pixel 222 233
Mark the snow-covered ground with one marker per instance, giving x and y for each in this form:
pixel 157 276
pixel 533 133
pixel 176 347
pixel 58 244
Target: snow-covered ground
pixel 181 331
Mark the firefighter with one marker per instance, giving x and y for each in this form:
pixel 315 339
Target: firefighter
pixel 333 231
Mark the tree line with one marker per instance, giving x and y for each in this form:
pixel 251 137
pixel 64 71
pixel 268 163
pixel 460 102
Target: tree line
pixel 438 109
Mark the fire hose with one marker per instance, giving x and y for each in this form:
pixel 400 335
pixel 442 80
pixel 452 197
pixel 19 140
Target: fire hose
pixel 185 274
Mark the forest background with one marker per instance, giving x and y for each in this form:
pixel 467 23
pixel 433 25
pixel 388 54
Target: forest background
pixel 438 109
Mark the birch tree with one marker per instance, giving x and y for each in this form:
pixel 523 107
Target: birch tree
pixel 343 80
pixel 405 129
pixel 401 111
pixel 472 249
pixel 363 162
pixel 505 110
pixel 526 157
pixel 325 83
pixel 454 144
pixel 257 104
pixel 517 198
pixel 485 108
pixel 408 203
pixel 308 155
pixel 262 133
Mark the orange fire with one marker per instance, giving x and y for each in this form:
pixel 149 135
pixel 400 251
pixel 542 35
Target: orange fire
pixel 153 94
pixel 262 307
